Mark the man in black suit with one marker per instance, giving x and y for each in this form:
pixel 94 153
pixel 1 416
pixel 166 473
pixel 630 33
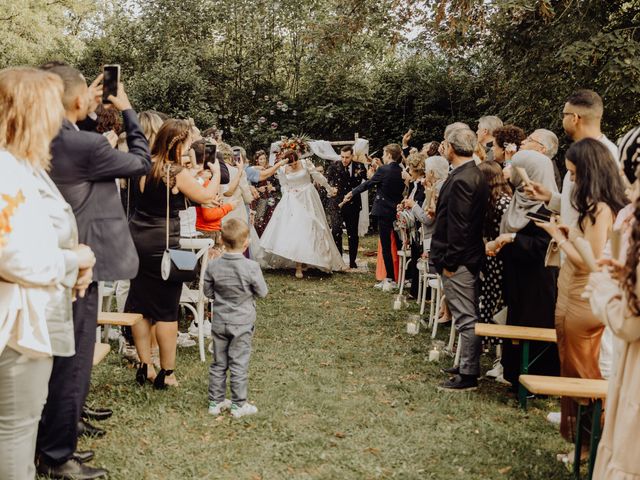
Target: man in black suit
pixel 457 249
pixel 85 168
pixel 345 176
pixel 388 179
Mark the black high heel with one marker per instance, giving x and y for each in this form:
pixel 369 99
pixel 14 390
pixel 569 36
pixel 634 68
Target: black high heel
pixel 159 383
pixel 141 374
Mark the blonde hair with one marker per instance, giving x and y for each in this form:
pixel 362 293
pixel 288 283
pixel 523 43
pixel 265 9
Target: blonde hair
pixel 234 233
pixel 227 153
pixel 415 161
pixel 150 123
pixel 31 113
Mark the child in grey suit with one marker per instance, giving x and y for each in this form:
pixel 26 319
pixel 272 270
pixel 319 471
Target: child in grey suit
pixel 232 282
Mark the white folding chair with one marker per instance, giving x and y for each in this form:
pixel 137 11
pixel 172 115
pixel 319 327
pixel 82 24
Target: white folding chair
pixel 404 254
pixel 435 283
pixel 194 300
pixel 106 292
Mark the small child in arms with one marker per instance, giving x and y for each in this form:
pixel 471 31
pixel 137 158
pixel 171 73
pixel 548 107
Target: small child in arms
pixel 232 281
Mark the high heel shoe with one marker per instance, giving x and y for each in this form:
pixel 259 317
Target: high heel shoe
pixel 159 383
pixel 141 373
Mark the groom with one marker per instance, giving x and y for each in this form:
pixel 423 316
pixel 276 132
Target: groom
pixel 346 175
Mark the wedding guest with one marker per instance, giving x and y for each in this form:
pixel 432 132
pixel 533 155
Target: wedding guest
pixel 416 189
pixel 614 300
pixel 268 190
pixel 581 118
pixel 238 189
pixel 345 176
pixel 390 186
pixel 506 143
pixel 38 251
pixel 491 299
pixel 598 196
pixel 457 249
pixel 156 299
pixel 487 126
pixel 529 286
pixel 545 142
pixel 84 167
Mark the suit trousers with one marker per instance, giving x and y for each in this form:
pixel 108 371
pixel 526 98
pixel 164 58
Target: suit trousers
pixel 461 290
pixel 231 352
pixel 69 385
pixel 349 217
pixel 23 391
pixel 385 227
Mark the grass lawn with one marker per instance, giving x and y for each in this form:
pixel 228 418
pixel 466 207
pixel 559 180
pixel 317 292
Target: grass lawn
pixel 343 393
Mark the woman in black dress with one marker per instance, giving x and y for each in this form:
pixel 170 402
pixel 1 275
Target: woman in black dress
pixel 158 300
pixel 530 286
pixel 266 203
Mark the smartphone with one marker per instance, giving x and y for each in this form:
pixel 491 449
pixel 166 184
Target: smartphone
pixel 110 81
pixel 539 216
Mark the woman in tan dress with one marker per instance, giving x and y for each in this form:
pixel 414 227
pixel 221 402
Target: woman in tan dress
pixel 598 196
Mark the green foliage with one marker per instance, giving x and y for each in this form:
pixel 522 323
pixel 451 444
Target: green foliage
pixel 375 67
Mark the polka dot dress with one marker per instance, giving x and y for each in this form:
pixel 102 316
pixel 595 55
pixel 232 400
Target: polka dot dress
pixel 492 275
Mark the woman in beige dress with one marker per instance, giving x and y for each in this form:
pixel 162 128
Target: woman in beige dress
pixel 598 196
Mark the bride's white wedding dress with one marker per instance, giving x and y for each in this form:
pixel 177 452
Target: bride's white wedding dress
pixel 298 231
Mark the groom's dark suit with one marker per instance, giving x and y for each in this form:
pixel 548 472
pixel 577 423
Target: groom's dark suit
pixel 345 179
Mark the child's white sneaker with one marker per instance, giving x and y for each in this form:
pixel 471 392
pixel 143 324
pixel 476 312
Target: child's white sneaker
pixel 246 409
pixel 217 408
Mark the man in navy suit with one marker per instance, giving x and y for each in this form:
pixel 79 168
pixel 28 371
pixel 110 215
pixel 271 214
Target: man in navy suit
pixel 85 167
pixel 390 187
pixel 346 175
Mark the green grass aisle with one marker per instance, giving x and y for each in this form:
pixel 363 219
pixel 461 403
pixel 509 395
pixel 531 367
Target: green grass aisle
pixel 343 393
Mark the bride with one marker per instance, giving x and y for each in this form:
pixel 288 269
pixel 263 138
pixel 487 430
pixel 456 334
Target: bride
pixel 298 233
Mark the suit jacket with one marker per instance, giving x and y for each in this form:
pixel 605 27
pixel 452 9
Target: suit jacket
pixel 460 214
pixel 388 179
pixel 345 179
pixel 84 167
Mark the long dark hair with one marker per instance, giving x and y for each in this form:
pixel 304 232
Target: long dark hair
pixel 597 180
pixel 498 187
pixel 167 147
pixel 633 257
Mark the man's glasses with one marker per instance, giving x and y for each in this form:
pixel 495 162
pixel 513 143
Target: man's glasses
pixel 531 139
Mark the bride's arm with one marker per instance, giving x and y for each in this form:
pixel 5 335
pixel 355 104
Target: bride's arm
pixel 317 176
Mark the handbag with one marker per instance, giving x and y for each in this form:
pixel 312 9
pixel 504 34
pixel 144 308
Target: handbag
pixel 552 257
pixel 177 265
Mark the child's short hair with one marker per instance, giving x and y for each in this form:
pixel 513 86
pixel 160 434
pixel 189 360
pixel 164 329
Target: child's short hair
pixel 234 233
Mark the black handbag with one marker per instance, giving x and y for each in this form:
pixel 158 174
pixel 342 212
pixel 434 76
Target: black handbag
pixel 177 265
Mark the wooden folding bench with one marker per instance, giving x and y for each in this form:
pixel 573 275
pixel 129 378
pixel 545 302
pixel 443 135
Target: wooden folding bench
pixel 100 352
pixel 517 335
pixel 108 319
pixel 593 390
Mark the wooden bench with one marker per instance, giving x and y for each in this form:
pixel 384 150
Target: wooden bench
pixel 593 390
pixel 518 335
pixel 109 319
pixel 100 352
pixel 118 319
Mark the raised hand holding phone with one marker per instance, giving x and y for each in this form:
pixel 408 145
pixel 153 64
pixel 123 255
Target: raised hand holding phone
pixel 110 82
pixel 121 101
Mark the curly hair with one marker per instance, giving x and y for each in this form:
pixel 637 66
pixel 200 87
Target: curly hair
pixel 509 134
pixel 415 161
pixel 431 148
pixel 631 268
pixel 108 119
pixel 597 180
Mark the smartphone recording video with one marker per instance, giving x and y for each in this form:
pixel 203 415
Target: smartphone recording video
pixel 542 215
pixel 110 82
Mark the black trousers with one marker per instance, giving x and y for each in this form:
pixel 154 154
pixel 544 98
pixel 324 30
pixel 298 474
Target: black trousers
pixel 385 228
pixel 69 385
pixel 412 271
pixel 350 218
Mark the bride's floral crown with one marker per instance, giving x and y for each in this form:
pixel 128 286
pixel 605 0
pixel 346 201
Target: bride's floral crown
pixel 299 144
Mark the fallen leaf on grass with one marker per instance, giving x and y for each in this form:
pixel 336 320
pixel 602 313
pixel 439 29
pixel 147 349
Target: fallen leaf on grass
pixel 340 434
pixel 505 470
pixel 256 476
pixel 373 451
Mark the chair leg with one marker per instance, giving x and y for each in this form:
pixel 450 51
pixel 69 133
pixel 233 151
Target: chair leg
pixel 201 329
pixel 452 335
pixel 456 361
pixel 436 310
